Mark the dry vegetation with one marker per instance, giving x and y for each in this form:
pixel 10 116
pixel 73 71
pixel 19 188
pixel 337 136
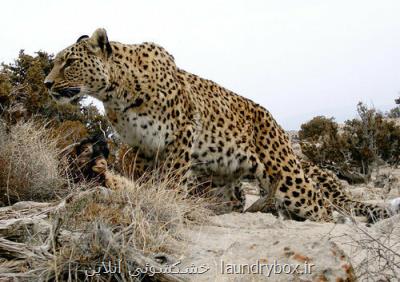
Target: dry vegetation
pixel 30 164
pixel 382 259
pixel 374 251
pixel 63 238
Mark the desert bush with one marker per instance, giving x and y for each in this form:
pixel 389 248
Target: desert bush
pixel 318 127
pixel 395 112
pixel 370 138
pixel 361 142
pixel 29 163
pixel 321 142
pixel 5 90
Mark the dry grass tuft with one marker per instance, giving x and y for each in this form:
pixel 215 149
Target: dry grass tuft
pixel 29 162
pixel 152 210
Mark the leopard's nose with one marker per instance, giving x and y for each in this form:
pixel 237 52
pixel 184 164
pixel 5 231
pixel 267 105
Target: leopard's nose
pixel 48 83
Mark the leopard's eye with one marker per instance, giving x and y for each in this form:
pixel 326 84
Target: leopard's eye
pixel 69 62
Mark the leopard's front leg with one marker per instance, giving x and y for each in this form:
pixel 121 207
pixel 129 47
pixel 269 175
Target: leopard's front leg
pixel 177 156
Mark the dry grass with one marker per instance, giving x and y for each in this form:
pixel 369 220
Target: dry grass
pixel 59 241
pixel 101 225
pixel 29 162
pixel 153 210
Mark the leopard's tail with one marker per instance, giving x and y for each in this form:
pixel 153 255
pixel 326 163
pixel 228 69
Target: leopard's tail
pixel 373 212
pixel 334 192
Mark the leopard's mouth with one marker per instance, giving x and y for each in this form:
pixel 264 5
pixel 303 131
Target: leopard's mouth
pixel 65 92
pixel 70 93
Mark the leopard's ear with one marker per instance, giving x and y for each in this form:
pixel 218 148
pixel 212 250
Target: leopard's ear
pixel 99 42
pixel 82 38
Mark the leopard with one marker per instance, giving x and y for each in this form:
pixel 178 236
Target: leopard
pixel 192 125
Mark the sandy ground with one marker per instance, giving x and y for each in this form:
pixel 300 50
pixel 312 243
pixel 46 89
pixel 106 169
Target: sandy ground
pixel 262 247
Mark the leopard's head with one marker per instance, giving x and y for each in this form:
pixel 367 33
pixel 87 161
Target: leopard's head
pixel 81 69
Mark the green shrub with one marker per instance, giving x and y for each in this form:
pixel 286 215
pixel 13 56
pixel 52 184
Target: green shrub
pixel 321 141
pixel 318 127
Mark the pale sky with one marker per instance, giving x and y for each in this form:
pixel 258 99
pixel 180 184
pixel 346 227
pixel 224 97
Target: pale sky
pixel 297 58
